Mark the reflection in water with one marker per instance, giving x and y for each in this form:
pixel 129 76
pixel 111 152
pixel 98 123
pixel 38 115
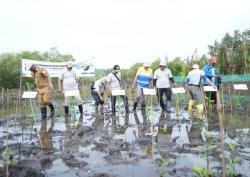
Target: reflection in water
pixel 99 121
pixel 71 144
pixel 46 135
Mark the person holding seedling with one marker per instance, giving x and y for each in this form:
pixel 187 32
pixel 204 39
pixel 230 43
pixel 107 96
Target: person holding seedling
pixel 97 92
pixel 161 81
pixel 44 89
pixel 193 86
pixel 143 79
pixel 69 82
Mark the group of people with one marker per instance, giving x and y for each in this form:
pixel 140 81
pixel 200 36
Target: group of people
pixel 161 79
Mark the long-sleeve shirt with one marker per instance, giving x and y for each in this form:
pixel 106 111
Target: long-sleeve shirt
pixel 210 72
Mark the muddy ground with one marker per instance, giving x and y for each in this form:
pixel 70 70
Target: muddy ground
pixel 147 143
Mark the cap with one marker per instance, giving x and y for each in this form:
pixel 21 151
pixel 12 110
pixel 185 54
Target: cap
pixel 163 63
pixel 146 64
pixel 116 67
pixel 69 65
pixel 195 66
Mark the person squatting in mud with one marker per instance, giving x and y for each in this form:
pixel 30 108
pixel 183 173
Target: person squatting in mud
pixel 97 92
pixel 69 82
pixel 44 89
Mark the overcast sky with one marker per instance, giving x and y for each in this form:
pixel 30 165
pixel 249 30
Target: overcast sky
pixel 119 31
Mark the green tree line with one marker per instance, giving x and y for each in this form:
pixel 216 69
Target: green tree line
pixel 10 65
pixel 233 53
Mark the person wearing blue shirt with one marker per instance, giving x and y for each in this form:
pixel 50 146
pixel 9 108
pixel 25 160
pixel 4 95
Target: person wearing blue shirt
pixel 213 75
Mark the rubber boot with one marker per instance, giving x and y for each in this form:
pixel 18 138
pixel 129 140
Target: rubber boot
pixel 44 113
pixel 134 107
pixel 169 107
pixel 190 107
pixel 66 110
pixel 52 110
pixel 80 109
pixel 200 111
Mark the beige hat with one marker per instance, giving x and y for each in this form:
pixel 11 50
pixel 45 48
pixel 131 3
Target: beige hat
pixel 69 65
pixel 195 66
pixel 163 63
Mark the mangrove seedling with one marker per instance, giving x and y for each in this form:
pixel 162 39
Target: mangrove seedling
pixel 162 163
pixel 199 171
pixel 9 157
pixel 233 159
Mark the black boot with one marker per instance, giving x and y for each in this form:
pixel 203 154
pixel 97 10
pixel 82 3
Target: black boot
pixel 80 109
pixel 52 110
pixel 44 113
pixel 134 107
pixel 66 110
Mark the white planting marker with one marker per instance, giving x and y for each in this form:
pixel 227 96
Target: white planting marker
pixel 240 87
pixel 71 93
pixel 29 94
pixel 118 92
pixel 210 89
pixel 178 90
pixel 149 91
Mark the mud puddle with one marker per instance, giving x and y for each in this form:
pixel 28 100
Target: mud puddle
pixel 148 143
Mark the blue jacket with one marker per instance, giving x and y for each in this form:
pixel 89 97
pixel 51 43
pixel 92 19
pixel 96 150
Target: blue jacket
pixel 210 72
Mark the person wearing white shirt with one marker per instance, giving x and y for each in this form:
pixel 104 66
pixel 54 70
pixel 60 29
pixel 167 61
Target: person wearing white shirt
pixel 114 83
pixel 193 86
pixel 161 81
pixel 97 92
pixel 68 81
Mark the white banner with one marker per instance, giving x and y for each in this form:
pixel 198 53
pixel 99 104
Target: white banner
pixel 55 68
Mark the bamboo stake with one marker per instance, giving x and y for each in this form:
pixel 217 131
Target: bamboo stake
pixel 31 105
pixel 221 122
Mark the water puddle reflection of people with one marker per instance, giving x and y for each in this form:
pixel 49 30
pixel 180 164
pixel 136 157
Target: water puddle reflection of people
pixel 46 134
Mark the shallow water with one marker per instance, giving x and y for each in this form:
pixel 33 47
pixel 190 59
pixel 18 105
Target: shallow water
pixel 100 144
